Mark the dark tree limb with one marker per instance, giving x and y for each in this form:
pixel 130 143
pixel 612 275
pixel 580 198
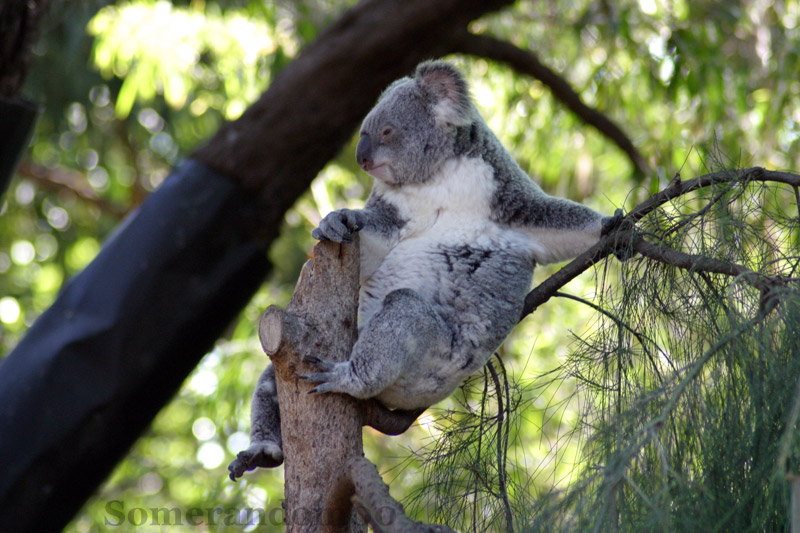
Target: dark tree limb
pixel 526 62
pixel 19 28
pixel 95 368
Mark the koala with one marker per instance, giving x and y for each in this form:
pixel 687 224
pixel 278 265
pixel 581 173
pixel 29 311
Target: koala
pixel 450 236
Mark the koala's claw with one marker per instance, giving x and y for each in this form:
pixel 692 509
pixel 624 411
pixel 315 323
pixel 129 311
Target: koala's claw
pixel 325 366
pixel 345 238
pixel 323 388
pixel 324 378
pixel 339 226
pixel 265 454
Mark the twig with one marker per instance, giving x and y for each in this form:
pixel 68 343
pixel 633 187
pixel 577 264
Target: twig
pixel 526 62
pixel 622 324
pixel 797 198
pixel 484 394
pixel 679 188
pixel 501 463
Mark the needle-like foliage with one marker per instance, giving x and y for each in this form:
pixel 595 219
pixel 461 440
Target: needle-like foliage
pixel 689 385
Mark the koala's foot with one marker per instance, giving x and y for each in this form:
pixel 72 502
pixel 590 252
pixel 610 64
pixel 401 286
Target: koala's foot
pixel 327 379
pixel 339 226
pixel 264 454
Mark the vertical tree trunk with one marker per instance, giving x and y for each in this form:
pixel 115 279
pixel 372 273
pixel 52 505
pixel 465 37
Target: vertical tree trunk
pixel 320 432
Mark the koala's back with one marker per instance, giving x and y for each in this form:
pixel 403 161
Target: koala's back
pixel 474 271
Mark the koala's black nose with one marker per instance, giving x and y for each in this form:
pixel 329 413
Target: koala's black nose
pixel 363 152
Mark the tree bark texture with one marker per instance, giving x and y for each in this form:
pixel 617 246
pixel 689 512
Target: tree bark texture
pixel 320 432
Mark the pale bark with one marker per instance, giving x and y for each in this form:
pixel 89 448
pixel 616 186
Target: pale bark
pixel 320 432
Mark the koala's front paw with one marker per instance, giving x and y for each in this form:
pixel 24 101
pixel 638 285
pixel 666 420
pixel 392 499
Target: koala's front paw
pixel 265 454
pixel 339 226
pixel 623 250
pixel 613 222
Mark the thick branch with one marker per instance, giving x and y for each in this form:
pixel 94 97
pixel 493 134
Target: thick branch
pixel 319 431
pixel 382 512
pixel 526 62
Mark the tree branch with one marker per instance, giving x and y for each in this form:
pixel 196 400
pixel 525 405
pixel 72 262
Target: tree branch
pixel 62 180
pixel 526 62
pixel 320 320
pixel 679 188
pixel 377 507
pixel 624 238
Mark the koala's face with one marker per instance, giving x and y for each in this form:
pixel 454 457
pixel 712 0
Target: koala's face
pixel 401 139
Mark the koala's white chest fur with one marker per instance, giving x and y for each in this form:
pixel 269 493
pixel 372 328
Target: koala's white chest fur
pixel 452 209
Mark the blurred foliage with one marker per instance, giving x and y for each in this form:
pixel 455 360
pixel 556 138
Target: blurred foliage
pixel 128 88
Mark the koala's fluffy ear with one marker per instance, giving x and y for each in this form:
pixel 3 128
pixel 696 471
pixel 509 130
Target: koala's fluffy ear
pixel 443 84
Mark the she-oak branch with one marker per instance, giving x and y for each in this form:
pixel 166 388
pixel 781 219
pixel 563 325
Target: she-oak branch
pixel 624 237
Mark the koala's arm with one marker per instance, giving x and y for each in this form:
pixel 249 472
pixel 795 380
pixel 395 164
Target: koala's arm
pixel 560 229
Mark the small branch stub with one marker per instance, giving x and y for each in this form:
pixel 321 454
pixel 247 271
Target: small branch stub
pixel 270 330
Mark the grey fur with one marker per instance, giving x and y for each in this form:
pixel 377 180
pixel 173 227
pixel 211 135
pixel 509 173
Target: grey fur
pixel 449 239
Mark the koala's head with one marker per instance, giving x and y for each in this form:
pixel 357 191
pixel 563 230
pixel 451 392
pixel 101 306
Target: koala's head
pixel 411 131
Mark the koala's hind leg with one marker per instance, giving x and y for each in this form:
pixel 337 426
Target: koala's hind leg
pixel 404 333
pixel 265 429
